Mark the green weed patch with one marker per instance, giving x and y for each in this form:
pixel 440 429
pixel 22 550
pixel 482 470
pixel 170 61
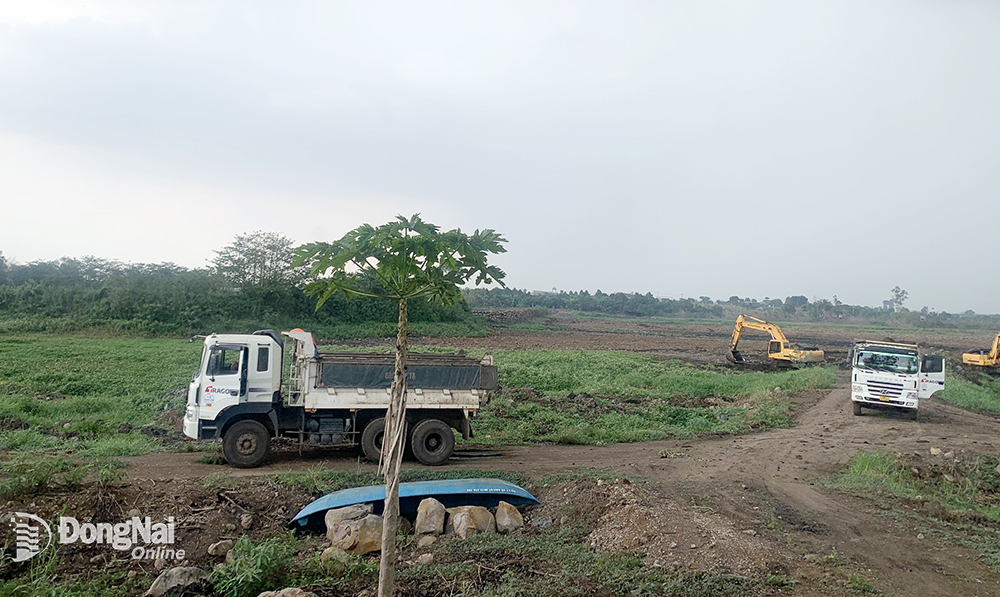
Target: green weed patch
pixel 601 397
pixel 983 397
pixel 956 496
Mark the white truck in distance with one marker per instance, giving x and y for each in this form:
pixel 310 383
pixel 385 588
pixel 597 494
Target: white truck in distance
pixel 330 399
pixel 892 375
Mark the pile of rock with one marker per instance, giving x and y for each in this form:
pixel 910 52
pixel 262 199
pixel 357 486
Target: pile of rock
pixel 356 530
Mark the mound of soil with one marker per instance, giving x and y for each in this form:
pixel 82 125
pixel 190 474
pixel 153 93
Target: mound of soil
pixel 629 517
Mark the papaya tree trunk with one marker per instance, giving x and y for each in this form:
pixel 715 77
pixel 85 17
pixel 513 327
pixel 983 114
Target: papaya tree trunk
pixel 393 443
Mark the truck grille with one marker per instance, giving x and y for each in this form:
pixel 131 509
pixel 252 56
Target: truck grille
pixel 885 388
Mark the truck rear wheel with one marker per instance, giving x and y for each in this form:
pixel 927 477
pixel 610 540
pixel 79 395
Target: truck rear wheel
pixel 857 408
pixel 432 442
pixel 371 439
pixel 246 444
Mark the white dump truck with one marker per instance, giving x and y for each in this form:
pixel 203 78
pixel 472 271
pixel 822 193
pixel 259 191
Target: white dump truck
pixel 246 394
pixel 893 375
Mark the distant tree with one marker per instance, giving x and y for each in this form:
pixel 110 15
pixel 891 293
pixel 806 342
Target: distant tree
pixel 402 261
pixel 258 259
pixel 898 297
pixel 796 301
pixel 3 269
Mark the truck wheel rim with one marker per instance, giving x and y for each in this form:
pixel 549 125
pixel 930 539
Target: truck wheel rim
pixel 246 444
pixel 433 442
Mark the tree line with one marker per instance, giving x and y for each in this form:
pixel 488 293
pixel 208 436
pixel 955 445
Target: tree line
pixel 792 308
pixel 250 284
pixel 253 283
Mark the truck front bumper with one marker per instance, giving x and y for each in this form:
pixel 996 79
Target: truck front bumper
pixel 886 401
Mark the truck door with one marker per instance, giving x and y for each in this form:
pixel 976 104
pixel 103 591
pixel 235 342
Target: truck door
pixel 931 375
pixel 261 373
pixel 226 379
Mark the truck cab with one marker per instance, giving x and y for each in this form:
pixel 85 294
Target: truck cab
pixel 893 375
pixel 239 377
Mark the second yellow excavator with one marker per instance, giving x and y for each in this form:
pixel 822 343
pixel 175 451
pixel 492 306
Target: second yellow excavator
pixel 779 349
pixel 984 358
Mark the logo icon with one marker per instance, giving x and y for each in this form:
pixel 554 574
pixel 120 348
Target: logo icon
pixel 28 531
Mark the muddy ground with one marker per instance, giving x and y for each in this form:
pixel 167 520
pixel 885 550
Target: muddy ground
pixel 746 503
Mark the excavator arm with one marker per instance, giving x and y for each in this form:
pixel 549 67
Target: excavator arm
pixel 983 358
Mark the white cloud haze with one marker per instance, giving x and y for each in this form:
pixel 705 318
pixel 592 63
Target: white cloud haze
pixel 714 148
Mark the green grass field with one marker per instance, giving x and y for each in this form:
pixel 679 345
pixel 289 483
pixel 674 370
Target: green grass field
pixel 90 396
pixel 109 396
pixel 983 396
pixel 595 397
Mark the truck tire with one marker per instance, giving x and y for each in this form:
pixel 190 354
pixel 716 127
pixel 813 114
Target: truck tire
pixel 857 408
pixel 371 439
pixel 432 442
pixel 246 444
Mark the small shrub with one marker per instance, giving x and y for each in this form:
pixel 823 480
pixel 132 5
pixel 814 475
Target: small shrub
pixel 24 474
pixel 219 480
pixel 861 586
pixel 255 567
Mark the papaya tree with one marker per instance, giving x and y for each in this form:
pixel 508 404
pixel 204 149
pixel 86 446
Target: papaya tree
pixel 403 260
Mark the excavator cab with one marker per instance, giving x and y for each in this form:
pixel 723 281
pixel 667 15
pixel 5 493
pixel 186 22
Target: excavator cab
pixel 774 347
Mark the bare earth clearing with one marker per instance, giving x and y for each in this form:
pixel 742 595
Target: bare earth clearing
pixel 745 503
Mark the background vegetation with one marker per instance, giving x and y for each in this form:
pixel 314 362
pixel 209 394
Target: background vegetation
pixel 252 284
pixel 246 288
pixel 792 308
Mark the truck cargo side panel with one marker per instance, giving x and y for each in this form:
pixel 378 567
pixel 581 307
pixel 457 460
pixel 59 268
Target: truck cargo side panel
pixel 337 375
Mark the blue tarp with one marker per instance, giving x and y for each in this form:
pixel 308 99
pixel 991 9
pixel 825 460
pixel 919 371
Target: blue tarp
pixel 452 492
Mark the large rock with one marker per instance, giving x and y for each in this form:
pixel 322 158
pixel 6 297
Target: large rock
pixel 289 592
pixel 358 537
pixel 336 516
pixel 174 581
pixel 430 517
pixel 426 540
pixel 335 561
pixel 508 518
pixel 220 548
pixel 481 518
pixel 462 524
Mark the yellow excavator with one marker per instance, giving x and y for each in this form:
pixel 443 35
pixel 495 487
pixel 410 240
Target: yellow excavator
pixel 984 358
pixel 779 349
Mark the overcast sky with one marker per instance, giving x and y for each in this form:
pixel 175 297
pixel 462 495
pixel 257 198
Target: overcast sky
pixel 749 148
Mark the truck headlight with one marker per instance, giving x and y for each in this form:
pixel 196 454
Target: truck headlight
pixel 911 394
pixel 857 389
pixel 190 413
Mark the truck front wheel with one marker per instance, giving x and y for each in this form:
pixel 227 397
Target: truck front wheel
pixel 857 408
pixel 246 444
pixel 432 442
pixel 371 439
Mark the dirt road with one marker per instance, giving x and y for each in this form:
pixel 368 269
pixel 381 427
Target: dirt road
pixel 765 481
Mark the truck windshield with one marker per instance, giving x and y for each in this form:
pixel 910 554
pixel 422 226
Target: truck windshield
pixel 887 361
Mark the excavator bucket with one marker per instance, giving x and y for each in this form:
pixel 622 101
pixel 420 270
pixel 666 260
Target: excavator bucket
pixel 734 356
